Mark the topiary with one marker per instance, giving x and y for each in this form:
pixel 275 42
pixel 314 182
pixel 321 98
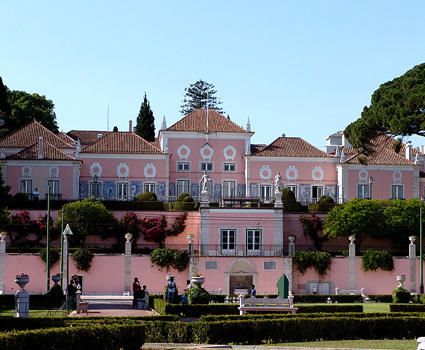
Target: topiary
pixel 185 202
pixel 182 196
pixel 146 197
pixel 401 296
pixel 198 295
pixel 327 200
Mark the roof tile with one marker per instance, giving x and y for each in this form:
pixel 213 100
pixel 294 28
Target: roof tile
pixel 50 152
pixel 290 147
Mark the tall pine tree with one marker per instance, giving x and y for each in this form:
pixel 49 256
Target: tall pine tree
pixel 4 104
pixel 197 95
pixel 145 126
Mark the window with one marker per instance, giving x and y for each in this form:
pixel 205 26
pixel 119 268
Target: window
pixel 183 166
pixel 363 191
pixel 229 166
pixel 95 189
pixel 229 188
pixel 397 192
pixel 54 188
pixel 293 188
pixel 253 241
pixel 265 192
pixel 228 241
pixel 26 186
pixel 206 166
pixel 182 186
pixel 122 191
pixel 317 192
pixel 149 187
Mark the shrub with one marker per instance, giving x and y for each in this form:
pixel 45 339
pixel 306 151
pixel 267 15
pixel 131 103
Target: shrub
pixel 401 295
pixel 184 202
pixel 198 295
pixel 329 308
pixel 83 258
pixel 167 258
pixel 377 259
pixel 146 197
pixel 320 261
pixel 410 308
pixel 194 310
pixel 54 255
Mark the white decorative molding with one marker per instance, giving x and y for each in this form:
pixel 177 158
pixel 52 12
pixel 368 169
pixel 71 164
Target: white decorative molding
pixel 397 177
pixel 265 172
pixel 317 173
pixel 26 171
pixel 206 152
pixel 363 176
pixel 229 152
pixel 123 170
pixel 183 152
pixel 53 171
pixel 291 172
pixel 95 169
pixel 149 170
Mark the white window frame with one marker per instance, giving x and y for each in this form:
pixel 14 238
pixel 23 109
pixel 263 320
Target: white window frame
pixel 363 191
pixel 263 196
pixel 182 181
pixel 254 238
pixel 294 189
pixel 397 188
pixel 315 199
pixel 56 188
pixel 229 165
pixel 229 192
pixel 204 165
pixel 228 245
pixel 122 191
pixel 95 189
pixel 23 186
pixel 148 186
pixel 184 165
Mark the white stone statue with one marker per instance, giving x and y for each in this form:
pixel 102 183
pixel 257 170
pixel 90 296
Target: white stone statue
pixel 204 182
pixel 277 182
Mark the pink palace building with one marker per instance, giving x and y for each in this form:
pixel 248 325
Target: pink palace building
pixel 236 245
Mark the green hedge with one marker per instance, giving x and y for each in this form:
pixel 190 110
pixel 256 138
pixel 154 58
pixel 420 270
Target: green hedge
pixel 109 337
pixel 37 301
pixel 328 308
pixel 165 308
pixel 407 307
pixel 316 298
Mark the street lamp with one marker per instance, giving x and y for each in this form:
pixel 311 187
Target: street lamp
pixel 370 186
pixel 421 268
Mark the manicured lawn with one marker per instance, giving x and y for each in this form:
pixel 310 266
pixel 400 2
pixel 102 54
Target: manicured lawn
pixel 367 307
pixel 359 344
pixel 37 313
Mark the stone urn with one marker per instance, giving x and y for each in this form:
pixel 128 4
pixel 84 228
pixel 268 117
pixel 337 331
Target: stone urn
pixel 400 279
pixel 198 280
pixel 22 280
pixel 56 278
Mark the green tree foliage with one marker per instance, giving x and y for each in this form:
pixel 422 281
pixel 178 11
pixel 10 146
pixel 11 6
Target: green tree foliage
pixel 145 126
pixel 4 103
pixel 25 107
pixel 87 217
pixel 360 217
pixel 4 191
pixel 397 108
pixel 197 95
pixel 313 226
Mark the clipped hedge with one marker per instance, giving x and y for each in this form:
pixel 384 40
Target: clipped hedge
pixel 108 337
pixel 328 308
pixel 165 308
pixel 407 307
pixel 37 301
pixel 318 298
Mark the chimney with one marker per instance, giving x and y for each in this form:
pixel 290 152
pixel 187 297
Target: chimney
pixel 99 136
pixel 409 150
pixel 40 148
pixel 130 126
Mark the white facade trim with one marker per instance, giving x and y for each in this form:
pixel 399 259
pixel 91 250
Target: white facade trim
pixel 123 156
pixel 294 159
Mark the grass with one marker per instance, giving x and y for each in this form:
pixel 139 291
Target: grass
pixel 358 344
pixel 36 313
pixel 367 307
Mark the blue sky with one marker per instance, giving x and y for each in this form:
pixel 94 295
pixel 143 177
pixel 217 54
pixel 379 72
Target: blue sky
pixel 303 68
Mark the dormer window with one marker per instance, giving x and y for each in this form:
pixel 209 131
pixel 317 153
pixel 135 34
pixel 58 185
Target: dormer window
pixel 206 166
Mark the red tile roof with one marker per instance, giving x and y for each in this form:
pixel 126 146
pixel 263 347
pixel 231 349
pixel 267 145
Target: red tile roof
pixel 50 152
pixel 290 147
pixel 29 134
pixel 382 152
pixel 122 143
pixel 196 121
pixel 87 137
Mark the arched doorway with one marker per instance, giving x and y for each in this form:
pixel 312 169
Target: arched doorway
pixel 240 276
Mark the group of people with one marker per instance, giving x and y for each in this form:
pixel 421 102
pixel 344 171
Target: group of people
pixel 140 295
pixel 74 286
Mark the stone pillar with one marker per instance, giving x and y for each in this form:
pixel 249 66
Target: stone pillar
pixel 127 264
pixel 204 234
pixel 412 264
pixel 352 263
pixel 278 199
pixel 2 260
pixel 65 258
pixel 22 297
pixel 287 270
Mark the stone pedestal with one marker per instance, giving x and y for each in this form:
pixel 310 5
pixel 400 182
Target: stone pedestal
pixel 127 264
pixel 278 199
pixel 22 297
pixel 291 246
pixel 412 264
pixel 205 200
pixel 2 260
pixel 352 263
